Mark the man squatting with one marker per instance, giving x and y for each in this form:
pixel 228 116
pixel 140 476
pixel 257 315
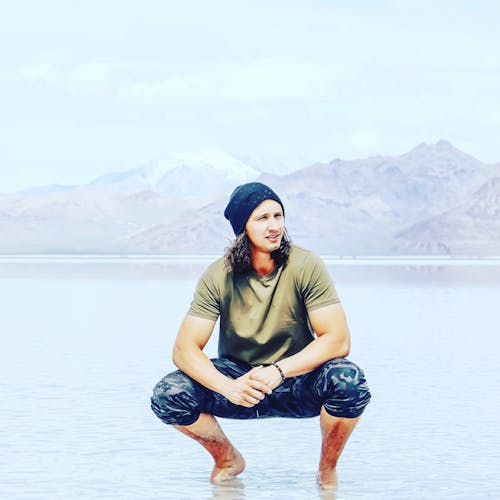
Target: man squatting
pixel 282 343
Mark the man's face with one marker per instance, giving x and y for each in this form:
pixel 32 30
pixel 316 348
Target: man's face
pixel 265 226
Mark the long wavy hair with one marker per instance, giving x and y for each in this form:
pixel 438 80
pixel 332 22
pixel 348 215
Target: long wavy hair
pixel 238 254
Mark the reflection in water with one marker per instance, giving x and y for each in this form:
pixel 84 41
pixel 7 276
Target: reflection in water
pixel 234 489
pixel 229 490
pixel 329 492
pixel 473 272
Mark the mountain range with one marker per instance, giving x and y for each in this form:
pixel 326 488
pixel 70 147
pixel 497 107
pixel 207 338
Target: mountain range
pixel 432 200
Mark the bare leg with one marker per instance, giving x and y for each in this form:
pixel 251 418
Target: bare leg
pixel 335 432
pixel 228 460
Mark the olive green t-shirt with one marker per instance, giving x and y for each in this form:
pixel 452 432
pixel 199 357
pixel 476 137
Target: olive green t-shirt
pixel 264 318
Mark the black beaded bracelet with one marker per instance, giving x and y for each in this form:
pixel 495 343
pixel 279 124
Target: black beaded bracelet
pixel 278 367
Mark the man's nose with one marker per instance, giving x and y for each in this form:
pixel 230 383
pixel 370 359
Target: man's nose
pixel 274 223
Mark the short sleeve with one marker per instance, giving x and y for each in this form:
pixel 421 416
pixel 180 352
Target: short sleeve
pixel 317 286
pixel 206 300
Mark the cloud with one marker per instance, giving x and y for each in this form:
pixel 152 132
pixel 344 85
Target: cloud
pixel 253 81
pixel 36 71
pixel 83 75
pixel 93 73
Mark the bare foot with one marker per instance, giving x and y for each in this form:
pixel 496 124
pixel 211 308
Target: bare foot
pixel 228 468
pixel 327 479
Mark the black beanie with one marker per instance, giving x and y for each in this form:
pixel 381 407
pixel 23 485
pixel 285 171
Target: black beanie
pixel 244 200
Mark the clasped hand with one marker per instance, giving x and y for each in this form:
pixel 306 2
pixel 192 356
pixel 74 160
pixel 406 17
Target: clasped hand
pixel 250 389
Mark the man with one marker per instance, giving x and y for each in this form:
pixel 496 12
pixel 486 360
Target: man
pixel 282 342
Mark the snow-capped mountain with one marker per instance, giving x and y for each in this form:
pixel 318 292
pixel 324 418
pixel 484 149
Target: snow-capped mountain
pixel 355 207
pixel 274 164
pixel 207 173
pixel 434 199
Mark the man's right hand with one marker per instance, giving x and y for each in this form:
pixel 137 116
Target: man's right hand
pixel 245 391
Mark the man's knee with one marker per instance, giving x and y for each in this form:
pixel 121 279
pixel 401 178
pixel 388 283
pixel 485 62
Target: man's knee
pixel 344 388
pixel 174 399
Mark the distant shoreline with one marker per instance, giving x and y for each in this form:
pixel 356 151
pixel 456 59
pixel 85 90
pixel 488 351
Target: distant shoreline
pixel 162 258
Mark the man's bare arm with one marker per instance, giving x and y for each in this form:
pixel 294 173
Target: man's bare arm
pixel 333 341
pixel 189 357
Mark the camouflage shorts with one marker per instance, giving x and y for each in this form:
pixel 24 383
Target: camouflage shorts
pixel 338 385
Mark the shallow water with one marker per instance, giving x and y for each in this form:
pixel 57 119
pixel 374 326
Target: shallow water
pixel 83 345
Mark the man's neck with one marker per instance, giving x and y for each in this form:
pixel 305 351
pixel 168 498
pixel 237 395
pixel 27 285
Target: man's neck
pixel 262 262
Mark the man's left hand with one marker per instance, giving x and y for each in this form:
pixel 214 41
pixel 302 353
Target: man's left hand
pixel 268 375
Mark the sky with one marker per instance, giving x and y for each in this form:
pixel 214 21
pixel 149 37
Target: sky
pixel 92 87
